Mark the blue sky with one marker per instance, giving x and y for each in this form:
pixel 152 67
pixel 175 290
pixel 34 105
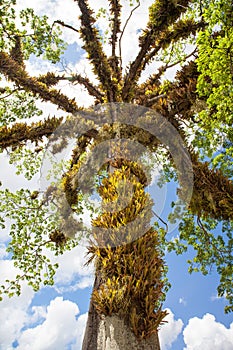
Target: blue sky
pixel 196 316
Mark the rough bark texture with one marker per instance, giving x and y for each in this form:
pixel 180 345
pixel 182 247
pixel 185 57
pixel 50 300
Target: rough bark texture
pixel 93 321
pixel 111 333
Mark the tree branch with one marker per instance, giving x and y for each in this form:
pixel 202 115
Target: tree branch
pixel 212 193
pixel 94 48
pixel 65 25
pixel 165 13
pixel 93 90
pixel 180 30
pixel 16 73
pixel 2 91
pixel 115 10
pixel 123 30
pixel 20 133
pixel 175 89
pixel 154 99
pixel 51 79
pixel 178 100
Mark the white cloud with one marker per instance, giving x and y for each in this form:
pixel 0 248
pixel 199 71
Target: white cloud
pixel 215 297
pixel 85 282
pixel 206 333
pixel 81 325
pixel 8 270
pixel 14 182
pixel 72 273
pixel 169 331
pixel 3 252
pixel 13 315
pixel 36 314
pixel 56 10
pixel 59 329
pixel 182 301
pixel 17 318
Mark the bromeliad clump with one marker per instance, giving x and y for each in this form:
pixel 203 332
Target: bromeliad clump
pixel 122 247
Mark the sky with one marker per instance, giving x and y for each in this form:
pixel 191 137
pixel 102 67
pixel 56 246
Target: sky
pixel 55 317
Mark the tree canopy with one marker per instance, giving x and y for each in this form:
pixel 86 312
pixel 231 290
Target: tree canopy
pixel 196 38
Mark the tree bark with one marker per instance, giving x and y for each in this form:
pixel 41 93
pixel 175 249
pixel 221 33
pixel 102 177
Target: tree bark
pixel 111 333
pixel 93 322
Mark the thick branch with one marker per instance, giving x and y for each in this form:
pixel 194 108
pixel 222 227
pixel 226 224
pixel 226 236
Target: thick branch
pixel 20 133
pixel 94 48
pixel 212 193
pixel 178 101
pixel 154 78
pixel 93 90
pixel 180 30
pixel 51 79
pixel 14 72
pixel 182 94
pixel 115 10
pixel 166 13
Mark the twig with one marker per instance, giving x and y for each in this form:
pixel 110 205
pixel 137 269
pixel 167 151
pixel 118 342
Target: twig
pixel 156 98
pixel 93 90
pixel 161 220
pixel 122 33
pixel 162 69
pixel 2 98
pixel 65 25
pixel 207 238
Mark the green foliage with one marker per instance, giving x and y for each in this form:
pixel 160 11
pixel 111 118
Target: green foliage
pixel 211 250
pixel 214 134
pixel 17 105
pixel 133 2
pixel 102 13
pixel 37 35
pixel 31 231
pixel 215 45
pixel 215 80
pixel 224 159
pixel 27 161
pixel 45 39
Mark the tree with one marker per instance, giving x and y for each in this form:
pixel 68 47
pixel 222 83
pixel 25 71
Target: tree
pixel 195 104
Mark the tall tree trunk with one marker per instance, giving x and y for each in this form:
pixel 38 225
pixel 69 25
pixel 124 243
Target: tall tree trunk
pixel 111 333
pixel 125 309
pixel 93 323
